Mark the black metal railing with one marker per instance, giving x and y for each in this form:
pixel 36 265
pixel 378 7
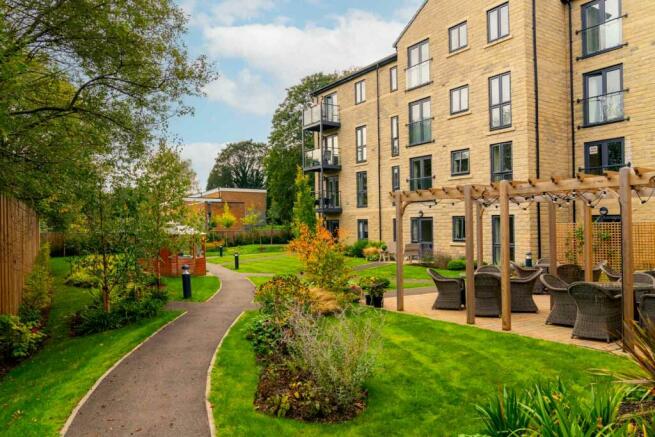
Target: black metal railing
pixel 422 183
pixel 418 74
pixel 599 170
pixel 602 36
pixel 420 132
pixel 603 108
pixel 330 201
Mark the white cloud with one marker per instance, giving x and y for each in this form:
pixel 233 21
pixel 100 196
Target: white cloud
pixel 202 157
pixel 247 92
pixel 229 11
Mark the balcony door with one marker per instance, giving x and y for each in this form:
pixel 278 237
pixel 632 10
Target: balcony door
pixel 421 229
pixel 330 105
pixel 332 192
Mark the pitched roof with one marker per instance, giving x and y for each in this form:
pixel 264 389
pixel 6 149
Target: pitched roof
pixel 384 61
pixel 395 44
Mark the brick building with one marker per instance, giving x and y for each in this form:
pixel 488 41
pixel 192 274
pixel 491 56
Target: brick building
pixel 479 91
pixel 241 202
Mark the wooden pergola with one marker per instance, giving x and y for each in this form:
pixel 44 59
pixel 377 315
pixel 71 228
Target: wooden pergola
pixel 586 189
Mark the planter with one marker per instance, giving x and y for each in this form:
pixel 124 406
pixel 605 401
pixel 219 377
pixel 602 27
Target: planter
pixel 378 301
pixel 368 299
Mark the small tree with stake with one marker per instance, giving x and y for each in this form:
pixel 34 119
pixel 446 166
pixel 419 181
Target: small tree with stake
pixel 303 209
pixel 226 220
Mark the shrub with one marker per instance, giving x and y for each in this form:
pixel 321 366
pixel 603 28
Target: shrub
pixel 37 292
pixel 641 348
pixel 266 335
pixel 457 264
pixel 441 261
pixel 374 285
pixel 280 294
pixel 372 253
pixel 357 249
pixel 82 279
pixel 17 340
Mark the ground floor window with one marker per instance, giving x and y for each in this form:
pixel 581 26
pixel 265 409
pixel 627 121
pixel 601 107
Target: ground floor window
pixel 362 229
pixel 421 233
pixel 604 155
pixel 495 237
pixel 459 228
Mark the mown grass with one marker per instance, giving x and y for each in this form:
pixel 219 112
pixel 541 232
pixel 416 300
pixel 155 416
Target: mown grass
pixel 431 375
pixel 249 249
pixel 202 287
pixel 37 397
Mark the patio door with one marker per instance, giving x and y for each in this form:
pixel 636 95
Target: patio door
pixel 495 238
pixel 422 234
pixel 332 192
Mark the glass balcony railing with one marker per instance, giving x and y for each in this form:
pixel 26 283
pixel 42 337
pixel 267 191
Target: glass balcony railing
pixel 603 36
pixel 599 170
pixel 326 157
pixel 422 183
pixel 603 108
pixel 327 113
pixel 331 201
pixel 418 74
pixel 420 132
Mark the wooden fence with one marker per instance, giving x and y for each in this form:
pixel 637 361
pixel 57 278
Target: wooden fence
pixel 19 245
pixel 606 244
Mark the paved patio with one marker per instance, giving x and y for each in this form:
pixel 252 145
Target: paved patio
pixel 529 325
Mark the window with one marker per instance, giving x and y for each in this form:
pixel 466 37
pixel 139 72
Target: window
pixel 333 227
pixel 420 122
pixel 460 162
pixel 395 136
pixel 604 155
pixel 395 178
pixel 498 22
pixel 457 37
pixel 331 150
pixel 501 162
pixel 360 136
pixel 500 101
pixel 418 65
pixel 603 96
pixel 459 228
pixel 362 229
pixel 495 237
pixel 601 26
pixel 459 100
pixel 420 176
pixel 360 92
pixel 393 78
pixel 362 190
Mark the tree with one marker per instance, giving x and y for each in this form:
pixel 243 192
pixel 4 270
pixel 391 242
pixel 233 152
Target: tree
pixel 285 145
pixel 239 165
pixel 304 213
pixel 227 219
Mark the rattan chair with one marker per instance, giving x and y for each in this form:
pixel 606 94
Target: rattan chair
pixel 521 289
pixel 611 274
pixel 599 312
pixel 487 294
pixel 643 278
pixel 570 273
pixel 647 309
pixel 449 292
pixel 524 272
pixel 563 309
pixel 488 269
pixel 543 262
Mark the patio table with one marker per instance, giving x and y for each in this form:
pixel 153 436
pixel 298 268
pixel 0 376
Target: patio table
pixel 640 290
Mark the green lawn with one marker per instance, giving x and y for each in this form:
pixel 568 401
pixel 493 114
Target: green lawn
pixel 202 287
pixel 250 249
pixel 431 376
pixel 37 397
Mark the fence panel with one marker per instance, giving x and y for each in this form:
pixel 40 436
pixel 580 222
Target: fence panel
pixel 19 245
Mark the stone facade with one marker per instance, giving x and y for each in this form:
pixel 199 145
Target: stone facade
pixel 545 139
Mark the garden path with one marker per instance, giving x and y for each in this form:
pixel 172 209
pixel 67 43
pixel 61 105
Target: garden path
pixel 160 389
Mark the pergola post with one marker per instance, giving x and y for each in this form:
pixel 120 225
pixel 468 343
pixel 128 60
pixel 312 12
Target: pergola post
pixel 627 268
pixel 505 291
pixel 552 238
pixel 479 237
pixel 588 254
pixel 400 254
pixel 470 268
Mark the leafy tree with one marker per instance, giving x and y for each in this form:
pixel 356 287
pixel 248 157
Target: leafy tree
pixel 238 165
pixel 285 141
pixel 304 213
pixel 227 219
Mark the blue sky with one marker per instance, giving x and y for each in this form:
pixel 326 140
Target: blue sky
pixel 261 47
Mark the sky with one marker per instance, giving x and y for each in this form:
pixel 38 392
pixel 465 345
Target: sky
pixel 261 47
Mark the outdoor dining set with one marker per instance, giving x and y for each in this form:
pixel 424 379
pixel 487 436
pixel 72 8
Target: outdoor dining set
pixel 592 309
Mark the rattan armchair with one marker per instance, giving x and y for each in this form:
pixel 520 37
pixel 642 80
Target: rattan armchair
pixel 563 309
pixel 524 272
pixel 488 269
pixel 611 274
pixel 647 309
pixel 521 289
pixel 643 278
pixel 599 312
pixel 449 292
pixel 570 273
pixel 487 294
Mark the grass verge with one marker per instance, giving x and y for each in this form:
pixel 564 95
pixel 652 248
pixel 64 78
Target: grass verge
pixel 202 287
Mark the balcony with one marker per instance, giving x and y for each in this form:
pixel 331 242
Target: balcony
pixel 324 116
pixel 329 204
pixel 602 37
pixel 420 132
pixel 420 183
pixel 604 108
pixel 418 75
pixel 599 170
pixel 326 159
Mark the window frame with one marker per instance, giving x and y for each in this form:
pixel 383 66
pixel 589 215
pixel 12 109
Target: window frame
pixel 450 37
pixel 361 187
pixel 361 222
pixel 497 23
pixel 512 239
pixel 413 178
pixel 453 160
pixel 419 62
pixel 500 103
pixel 603 149
pixel 395 140
pixel 491 163
pixel 455 228
pixel 585 98
pixel 360 92
pixel 584 27
pixel 459 91
pixel 393 79
pixel 423 119
pixel 395 178
pixel 361 132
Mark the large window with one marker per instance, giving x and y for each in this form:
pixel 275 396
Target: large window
pixel 395 178
pixel 500 101
pixel 393 78
pixel 602 27
pixel 495 238
pixel 457 37
pixel 604 155
pixel 459 228
pixel 420 122
pixel 418 65
pixel 362 229
pixel 498 22
pixel 501 162
pixel 362 190
pixel 603 96
pixel 459 99
pixel 420 173
pixel 460 162
pixel 360 92
pixel 360 139
pixel 395 136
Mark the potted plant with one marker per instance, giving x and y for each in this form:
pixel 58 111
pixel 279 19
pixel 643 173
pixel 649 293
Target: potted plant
pixel 374 288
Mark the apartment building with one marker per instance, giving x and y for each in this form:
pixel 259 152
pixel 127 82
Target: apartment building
pixel 478 91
